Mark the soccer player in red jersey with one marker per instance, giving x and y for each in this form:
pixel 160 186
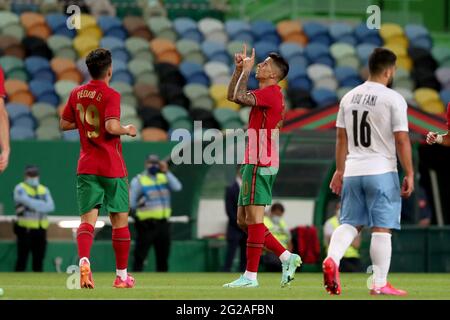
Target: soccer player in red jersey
pixel 440 138
pixel 4 126
pixel 94 109
pixel 261 161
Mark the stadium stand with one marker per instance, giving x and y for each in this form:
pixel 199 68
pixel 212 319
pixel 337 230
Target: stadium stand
pixel 184 62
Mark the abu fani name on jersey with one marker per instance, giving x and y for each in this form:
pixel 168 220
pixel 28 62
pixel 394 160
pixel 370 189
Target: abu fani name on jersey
pixel 89 94
pixel 365 99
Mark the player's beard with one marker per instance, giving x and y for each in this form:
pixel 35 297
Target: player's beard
pixel 390 82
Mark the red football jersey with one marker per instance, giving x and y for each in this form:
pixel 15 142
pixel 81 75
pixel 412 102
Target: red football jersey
pixel 448 116
pixel 265 120
pixel 2 84
pixel 90 106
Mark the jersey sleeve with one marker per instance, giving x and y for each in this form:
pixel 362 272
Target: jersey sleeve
pixel 2 84
pixel 69 112
pixel 448 116
pixel 263 97
pixel 399 115
pixel 340 121
pixel 112 110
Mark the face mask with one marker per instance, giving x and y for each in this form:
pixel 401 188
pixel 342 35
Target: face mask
pixel 34 182
pixel 276 219
pixel 153 170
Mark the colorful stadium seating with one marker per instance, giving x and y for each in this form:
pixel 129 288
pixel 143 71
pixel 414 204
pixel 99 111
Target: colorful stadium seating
pixel 170 72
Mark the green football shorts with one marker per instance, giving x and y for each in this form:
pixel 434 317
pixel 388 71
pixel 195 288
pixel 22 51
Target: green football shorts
pixel 94 191
pixel 257 183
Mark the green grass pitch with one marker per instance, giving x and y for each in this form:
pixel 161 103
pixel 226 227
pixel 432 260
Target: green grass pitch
pixel 206 286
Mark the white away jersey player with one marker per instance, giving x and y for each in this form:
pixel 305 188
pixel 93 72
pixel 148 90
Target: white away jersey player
pixel 371 113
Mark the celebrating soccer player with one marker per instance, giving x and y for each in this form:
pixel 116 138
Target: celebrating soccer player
pixel 94 108
pixel 372 124
pixel 261 161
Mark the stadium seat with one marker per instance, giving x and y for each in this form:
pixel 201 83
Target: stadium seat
pixel 445 96
pixel 44 92
pixel 39 68
pixel 217 72
pixel 265 30
pixel 317 32
pixel 14 68
pixel 137 27
pixel 443 76
pixel 298 78
pixel 43 110
pixel 190 51
pixel 154 134
pixel 418 36
pixel 342 32
pixel 239 30
pixel 173 112
pixel 324 97
pixel 36 47
pixel 139 48
pixel 198 96
pixel 162 27
pixel 63 89
pixel 244 114
pixel 112 27
pixel 61 46
pixel 363 51
pixel 21 133
pixel 319 53
pixel 263 48
pixel 291 31
pixel 347 77
pixel 57 23
pixel 213 30
pixel 71 135
pixel 85 44
pixel 193 73
pixel 206 117
pixel 17 110
pixel 215 51
pixel 35 25
pixel 441 54
pixel 165 51
pixel 366 35
pixel 293 53
pixel 18 92
pixel 187 29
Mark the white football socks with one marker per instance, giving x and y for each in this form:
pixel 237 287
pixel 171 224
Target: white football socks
pixel 285 256
pixel 122 274
pixel 341 239
pixel 250 275
pixel 380 254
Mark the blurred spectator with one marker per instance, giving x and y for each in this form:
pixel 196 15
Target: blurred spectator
pixel 276 224
pixel 151 208
pixel 408 207
pixel 33 203
pixel 236 237
pixel 351 261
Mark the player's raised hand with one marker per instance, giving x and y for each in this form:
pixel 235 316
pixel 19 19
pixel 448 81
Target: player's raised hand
pixel 433 137
pixel 249 62
pixel 240 56
pixel 336 182
pixel 131 130
pixel 407 186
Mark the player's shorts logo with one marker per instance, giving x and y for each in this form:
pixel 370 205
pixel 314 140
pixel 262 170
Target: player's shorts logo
pixel 245 186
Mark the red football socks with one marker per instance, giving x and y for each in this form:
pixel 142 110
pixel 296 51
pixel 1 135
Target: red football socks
pixel 255 245
pixel 85 238
pixel 272 243
pixel 121 243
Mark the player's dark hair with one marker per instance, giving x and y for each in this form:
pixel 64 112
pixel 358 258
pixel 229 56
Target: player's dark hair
pixel 281 64
pixel 380 60
pixel 98 61
pixel 277 206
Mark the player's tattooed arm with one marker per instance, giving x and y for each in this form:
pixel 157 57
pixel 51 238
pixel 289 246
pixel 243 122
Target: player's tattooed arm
pixel 232 86
pixel 241 95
